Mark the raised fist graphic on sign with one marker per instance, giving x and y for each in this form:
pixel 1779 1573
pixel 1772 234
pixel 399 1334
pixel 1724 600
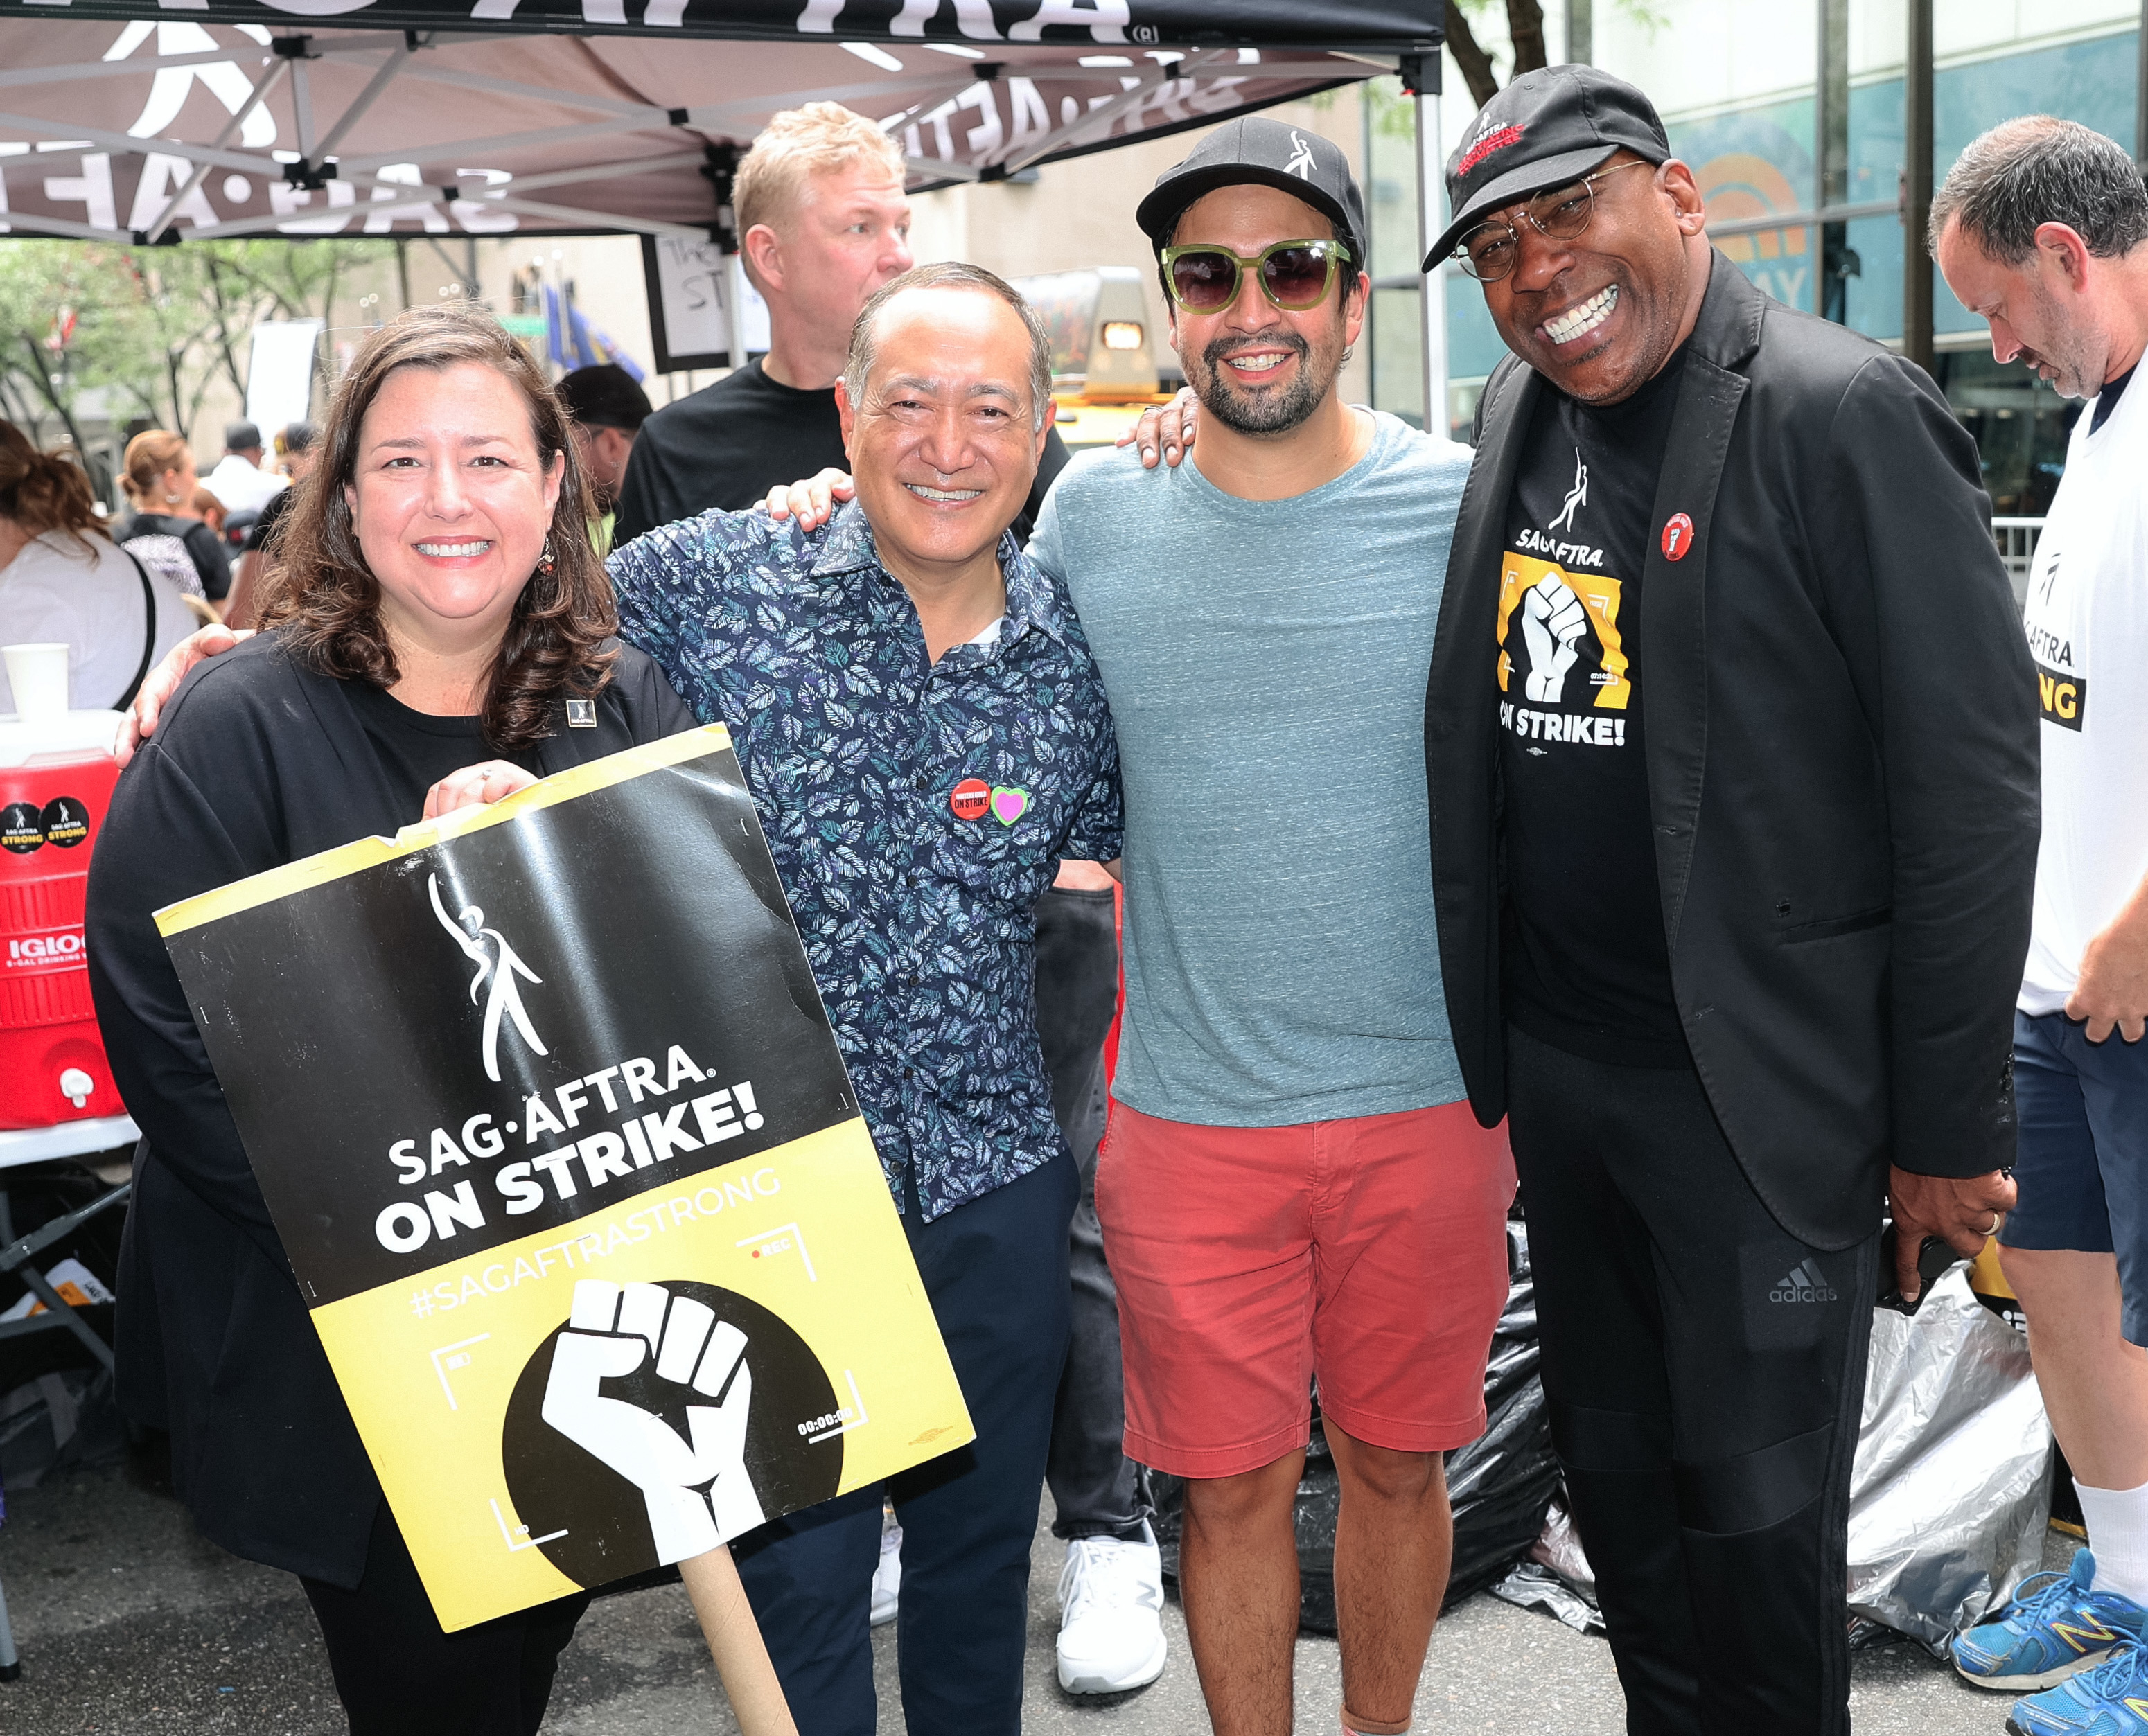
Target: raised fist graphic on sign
pixel 1552 622
pixel 696 1490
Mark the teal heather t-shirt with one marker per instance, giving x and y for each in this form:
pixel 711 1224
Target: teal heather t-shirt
pixel 1266 664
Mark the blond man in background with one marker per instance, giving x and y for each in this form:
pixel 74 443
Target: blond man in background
pixel 823 221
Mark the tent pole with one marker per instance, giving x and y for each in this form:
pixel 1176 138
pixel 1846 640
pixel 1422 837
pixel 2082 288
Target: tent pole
pixel 1433 301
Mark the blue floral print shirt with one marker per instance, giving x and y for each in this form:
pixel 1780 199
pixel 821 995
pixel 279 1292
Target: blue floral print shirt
pixel 916 811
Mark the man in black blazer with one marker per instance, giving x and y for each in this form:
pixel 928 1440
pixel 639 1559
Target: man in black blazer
pixel 1731 737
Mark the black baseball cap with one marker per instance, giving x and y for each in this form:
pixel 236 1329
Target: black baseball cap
pixel 1547 128
pixel 605 396
pixel 1255 151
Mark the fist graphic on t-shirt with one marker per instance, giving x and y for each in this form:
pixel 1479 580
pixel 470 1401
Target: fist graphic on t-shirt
pixel 1552 622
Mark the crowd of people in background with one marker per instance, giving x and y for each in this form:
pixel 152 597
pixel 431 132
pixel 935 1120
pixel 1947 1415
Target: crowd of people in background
pixel 188 550
pixel 1689 878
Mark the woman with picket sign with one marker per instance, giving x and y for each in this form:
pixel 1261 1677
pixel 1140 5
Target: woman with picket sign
pixel 438 620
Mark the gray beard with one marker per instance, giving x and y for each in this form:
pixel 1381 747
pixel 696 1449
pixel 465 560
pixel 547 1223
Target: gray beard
pixel 1271 412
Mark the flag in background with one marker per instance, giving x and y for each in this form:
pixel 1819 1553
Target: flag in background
pixel 571 342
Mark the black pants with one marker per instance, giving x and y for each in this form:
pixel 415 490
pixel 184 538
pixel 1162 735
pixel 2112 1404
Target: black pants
pixel 1705 1371
pixel 1096 1490
pixel 398 1674
pixel 995 1271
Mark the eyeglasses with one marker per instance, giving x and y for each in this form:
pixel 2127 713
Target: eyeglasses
pixel 1294 275
pixel 1487 252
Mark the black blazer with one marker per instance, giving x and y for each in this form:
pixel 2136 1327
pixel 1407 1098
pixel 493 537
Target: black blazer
pixel 1842 761
pixel 256 762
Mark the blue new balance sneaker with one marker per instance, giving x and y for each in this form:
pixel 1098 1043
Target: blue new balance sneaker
pixel 2109 1700
pixel 2054 1626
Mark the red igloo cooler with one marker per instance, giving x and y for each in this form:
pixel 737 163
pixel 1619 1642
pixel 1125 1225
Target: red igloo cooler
pixel 56 779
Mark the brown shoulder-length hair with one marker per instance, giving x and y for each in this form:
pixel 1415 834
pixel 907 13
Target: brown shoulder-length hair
pixel 326 602
pixel 44 491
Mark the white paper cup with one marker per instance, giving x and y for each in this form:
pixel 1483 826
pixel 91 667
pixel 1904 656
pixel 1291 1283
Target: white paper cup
pixel 38 673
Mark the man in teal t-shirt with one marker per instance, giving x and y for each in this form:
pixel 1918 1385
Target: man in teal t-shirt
pixel 1294 1185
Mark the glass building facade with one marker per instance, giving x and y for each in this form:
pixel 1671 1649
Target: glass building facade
pixel 1743 86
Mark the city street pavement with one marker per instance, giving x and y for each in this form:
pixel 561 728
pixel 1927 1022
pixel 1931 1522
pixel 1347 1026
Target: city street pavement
pixel 131 1624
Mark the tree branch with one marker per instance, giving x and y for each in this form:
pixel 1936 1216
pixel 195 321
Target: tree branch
pixel 1525 29
pixel 52 395
pixel 1475 63
pixel 223 328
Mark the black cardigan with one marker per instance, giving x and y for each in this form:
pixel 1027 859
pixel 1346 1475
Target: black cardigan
pixel 1841 757
pixel 256 762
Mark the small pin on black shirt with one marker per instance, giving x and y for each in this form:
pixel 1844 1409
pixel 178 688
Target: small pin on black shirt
pixel 581 714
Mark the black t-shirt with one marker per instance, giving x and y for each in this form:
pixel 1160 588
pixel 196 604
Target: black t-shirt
pixel 2106 400
pixel 724 447
pixel 416 749
pixel 204 547
pixel 1584 962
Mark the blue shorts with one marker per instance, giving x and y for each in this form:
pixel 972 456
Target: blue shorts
pixel 2083 1161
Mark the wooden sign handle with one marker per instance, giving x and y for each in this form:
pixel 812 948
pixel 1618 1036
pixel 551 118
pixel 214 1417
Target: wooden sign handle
pixel 734 1642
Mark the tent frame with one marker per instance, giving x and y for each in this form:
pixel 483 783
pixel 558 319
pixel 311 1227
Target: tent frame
pixel 399 54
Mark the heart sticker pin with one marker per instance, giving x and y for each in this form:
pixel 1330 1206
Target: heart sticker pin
pixel 1009 805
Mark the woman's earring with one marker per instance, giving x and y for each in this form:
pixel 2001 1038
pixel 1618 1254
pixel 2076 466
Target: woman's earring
pixel 545 558
pixel 171 499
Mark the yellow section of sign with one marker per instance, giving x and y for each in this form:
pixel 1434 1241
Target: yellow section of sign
pixel 1599 596
pixel 328 864
pixel 808 1230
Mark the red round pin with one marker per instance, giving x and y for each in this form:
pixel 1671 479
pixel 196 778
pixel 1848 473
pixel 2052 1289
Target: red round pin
pixel 969 799
pixel 1677 537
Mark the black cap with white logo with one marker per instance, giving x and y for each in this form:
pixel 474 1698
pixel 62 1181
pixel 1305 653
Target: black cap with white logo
pixel 1254 150
pixel 1547 128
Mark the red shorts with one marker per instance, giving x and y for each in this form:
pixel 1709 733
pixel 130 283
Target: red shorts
pixel 1370 1253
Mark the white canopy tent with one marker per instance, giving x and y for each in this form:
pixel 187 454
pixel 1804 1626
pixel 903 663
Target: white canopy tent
pixel 148 122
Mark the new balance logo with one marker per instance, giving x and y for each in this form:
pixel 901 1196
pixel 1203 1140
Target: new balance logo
pixel 1804 1284
pixel 2089 1633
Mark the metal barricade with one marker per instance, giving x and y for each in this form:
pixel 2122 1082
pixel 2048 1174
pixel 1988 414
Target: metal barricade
pixel 2017 547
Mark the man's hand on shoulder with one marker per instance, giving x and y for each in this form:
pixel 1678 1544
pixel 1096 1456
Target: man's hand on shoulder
pixel 811 502
pixel 162 681
pixel 1171 426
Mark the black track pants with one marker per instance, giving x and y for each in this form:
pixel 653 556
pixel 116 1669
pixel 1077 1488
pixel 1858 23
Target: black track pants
pixel 1705 1371
pixel 1097 1491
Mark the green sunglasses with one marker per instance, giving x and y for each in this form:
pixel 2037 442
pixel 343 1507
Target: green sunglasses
pixel 1294 275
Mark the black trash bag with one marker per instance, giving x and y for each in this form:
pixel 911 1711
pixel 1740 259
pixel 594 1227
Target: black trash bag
pixel 1501 1485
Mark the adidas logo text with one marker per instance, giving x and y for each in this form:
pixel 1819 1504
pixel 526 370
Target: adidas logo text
pixel 1804 1284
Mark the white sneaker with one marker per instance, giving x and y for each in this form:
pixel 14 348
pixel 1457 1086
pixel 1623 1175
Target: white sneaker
pixel 887 1577
pixel 1111 1615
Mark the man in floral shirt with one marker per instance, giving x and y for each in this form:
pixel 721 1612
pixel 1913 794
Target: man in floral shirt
pixel 919 720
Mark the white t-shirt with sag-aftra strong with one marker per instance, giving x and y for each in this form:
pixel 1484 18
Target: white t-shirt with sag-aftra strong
pixel 2087 620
